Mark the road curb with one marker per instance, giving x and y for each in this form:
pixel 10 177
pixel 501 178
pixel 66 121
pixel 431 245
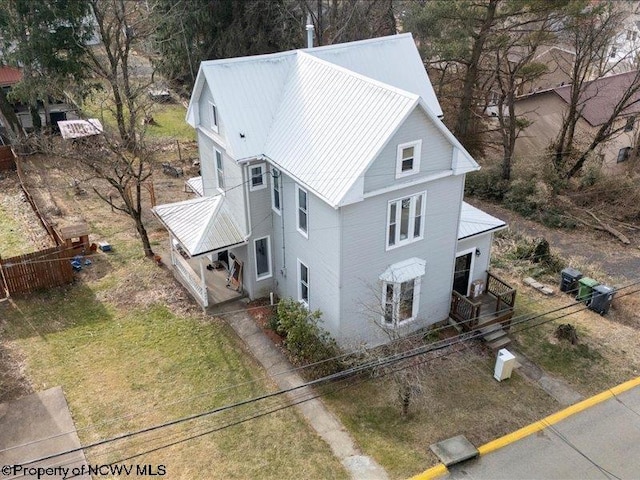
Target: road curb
pixel 440 469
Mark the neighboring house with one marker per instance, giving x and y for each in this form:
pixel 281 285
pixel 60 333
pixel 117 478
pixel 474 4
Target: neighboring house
pixel 546 109
pixel 51 113
pixel 328 177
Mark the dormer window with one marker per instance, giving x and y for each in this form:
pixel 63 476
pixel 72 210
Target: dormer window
pixel 213 119
pixel 408 159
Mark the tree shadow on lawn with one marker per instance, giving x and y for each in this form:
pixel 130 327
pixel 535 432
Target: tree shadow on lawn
pixel 51 311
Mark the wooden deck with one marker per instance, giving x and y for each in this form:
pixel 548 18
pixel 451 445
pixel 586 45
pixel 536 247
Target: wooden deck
pixel 490 313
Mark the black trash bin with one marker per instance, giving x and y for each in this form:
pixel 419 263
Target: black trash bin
pixel 569 280
pixel 601 299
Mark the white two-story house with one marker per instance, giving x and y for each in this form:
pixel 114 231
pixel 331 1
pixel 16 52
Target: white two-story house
pixel 328 176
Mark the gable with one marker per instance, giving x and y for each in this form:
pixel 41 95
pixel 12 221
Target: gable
pixel 436 153
pixel 330 125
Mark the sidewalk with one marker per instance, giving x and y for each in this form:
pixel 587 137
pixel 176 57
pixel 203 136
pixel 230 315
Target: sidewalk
pixel 326 425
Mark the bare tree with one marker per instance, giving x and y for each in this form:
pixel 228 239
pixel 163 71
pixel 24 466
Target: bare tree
pixel 514 67
pixel 122 24
pixel 589 30
pixel 119 170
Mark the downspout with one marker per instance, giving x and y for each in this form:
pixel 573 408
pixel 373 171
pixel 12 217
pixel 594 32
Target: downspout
pixel 283 271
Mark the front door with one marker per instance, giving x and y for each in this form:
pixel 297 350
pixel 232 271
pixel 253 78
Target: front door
pixel 462 273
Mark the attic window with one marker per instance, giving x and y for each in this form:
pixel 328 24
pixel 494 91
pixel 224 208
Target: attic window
pixel 214 117
pixel 408 159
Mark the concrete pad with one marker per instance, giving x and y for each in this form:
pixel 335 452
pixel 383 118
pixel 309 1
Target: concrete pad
pixel 37 426
pixel 454 450
pixel 547 290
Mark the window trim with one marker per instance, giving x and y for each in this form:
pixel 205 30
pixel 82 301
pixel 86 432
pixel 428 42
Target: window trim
pixel 269 273
pixel 300 283
pixel 396 292
pixel 219 170
pixel 213 117
pixel 263 170
pixel 276 180
pixel 305 232
pixel 412 217
pixel 417 150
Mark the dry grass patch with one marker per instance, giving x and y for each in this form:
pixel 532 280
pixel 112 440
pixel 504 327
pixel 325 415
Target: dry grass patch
pixel 460 396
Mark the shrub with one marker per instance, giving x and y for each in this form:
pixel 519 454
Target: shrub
pixel 487 184
pixel 305 341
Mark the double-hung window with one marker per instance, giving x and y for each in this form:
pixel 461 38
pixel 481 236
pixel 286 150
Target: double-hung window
pixel 302 204
pixel 303 283
pixel 219 170
pixel 257 177
pixel 276 195
pixel 405 220
pixel 401 291
pixel 408 158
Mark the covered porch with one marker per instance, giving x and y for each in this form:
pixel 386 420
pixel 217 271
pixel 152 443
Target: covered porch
pixel 203 236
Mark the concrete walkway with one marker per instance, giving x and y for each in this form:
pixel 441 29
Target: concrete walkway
pixel 327 426
pixel 557 388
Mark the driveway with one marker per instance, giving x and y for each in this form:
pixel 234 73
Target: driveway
pixel 34 427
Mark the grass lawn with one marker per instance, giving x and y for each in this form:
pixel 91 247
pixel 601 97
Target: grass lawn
pixel 131 350
pixel 169 118
pixel 125 365
pixel 459 396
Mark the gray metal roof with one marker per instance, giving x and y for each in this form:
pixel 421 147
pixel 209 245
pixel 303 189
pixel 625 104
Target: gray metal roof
pixel 196 186
pixel 474 221
pixel 322 114
pixel 201 225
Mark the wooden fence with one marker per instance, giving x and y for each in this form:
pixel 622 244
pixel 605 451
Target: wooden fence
pixel 35 271
pixel 55 236
pixel 7 160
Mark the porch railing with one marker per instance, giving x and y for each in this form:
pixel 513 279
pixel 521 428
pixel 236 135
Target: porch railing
pixel 464 311
pixel 193 282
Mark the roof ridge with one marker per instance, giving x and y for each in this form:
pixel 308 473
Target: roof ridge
pixel 351 73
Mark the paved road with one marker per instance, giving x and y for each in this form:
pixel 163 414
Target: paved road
pixel 600 442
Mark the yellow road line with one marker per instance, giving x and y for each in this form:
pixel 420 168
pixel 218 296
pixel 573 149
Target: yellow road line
pixel 440 470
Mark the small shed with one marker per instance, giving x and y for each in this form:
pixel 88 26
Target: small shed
pixel 76 236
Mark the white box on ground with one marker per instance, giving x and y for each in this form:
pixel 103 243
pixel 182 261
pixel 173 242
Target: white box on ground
pixel 504 365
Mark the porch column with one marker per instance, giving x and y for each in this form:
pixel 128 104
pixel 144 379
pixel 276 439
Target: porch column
pixel 171 252
pixel 202 282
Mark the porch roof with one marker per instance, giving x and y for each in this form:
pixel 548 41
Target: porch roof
pixel 201 225
pixel 474 221
pixel 196 185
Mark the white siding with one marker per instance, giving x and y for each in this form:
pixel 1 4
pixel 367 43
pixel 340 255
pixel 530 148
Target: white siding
pixel 204 113
pixel 320 252
pixel 436 153
pixel 364 258
pixel 480 262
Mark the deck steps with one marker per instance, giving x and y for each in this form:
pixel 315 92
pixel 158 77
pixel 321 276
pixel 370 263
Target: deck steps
pixel 494 336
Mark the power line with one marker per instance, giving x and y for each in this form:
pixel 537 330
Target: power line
pixel 367 366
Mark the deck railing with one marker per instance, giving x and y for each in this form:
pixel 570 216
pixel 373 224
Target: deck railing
pixel 504 293
pixel 464 311
pixel 467 312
